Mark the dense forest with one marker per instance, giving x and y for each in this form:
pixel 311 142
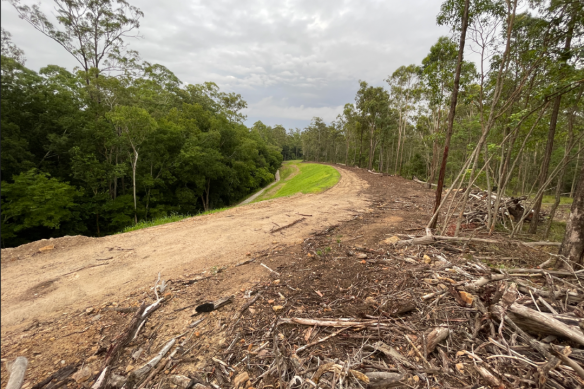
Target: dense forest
pixel 118 140
pixel 510 118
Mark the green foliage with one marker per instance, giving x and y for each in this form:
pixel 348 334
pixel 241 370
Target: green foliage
pixel 34 199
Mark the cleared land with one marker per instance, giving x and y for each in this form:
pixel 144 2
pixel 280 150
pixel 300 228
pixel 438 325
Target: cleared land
pixel 81 271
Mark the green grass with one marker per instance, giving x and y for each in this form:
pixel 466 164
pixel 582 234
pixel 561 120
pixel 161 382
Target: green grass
pixel 550 199
pixel 311 178
pixel 165 220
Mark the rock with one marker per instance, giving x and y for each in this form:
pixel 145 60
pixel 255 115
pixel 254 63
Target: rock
pixel 393 240
pixel 362 256
pixel 82 374
pixel 180 380
pixel 241 380
pixel 277 308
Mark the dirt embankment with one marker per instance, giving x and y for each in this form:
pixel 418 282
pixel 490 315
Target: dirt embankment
pixel 81 271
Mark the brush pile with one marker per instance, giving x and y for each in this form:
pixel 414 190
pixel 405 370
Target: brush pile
pixel 356 317
pixel 510 209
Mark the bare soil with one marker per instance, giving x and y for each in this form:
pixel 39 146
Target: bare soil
pixel 80 271
pixel 57 319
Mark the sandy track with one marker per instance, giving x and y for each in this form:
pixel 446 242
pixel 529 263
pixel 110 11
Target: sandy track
pixel 40 285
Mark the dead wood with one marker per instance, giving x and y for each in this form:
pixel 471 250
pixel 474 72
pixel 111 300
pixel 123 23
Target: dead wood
pixel 288 225
pixel 214 305
pixel 539 322
pixel 235 318
pixel 424 240
pixel 436 336
pixel 17 372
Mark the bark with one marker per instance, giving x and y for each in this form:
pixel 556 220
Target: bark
pixel 452 113
pixel 573 245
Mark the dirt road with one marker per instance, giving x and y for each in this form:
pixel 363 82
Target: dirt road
pixel 82 271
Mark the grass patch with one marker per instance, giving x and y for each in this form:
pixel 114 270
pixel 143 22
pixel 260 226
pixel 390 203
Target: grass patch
pixel 311 178
pixel 175 217
pixel 549 199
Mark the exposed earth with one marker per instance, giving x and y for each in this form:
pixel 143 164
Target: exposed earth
pixel 82 271
pixel 61 307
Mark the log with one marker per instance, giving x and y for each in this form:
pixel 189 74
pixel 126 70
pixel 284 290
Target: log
pixel 436 336
pixel 424 240
pixel 382 380
pixel 136 376
pixel 17 372
pixel 536 321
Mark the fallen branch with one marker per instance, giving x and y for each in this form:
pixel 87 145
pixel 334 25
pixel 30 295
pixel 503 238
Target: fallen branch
pixel 17 372
pixel 287 225
pixel 321 340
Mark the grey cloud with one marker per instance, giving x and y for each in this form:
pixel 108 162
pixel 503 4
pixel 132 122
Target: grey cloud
pixel 289 59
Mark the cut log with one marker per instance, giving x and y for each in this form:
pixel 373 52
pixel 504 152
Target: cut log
pixel 17 372
pixel 436 336
pixel 539 322
pixel 424 240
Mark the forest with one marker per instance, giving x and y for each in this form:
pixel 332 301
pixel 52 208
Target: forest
pixel 118 140
pixel 498 106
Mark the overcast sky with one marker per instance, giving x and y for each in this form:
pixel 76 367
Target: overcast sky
pixel 290 60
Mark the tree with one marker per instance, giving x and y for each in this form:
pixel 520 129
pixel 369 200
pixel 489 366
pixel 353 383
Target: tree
pixel 452 112
pixel 93 31
pixel 573 244
pixel 35 199
pixel 135 124
pixel 10 50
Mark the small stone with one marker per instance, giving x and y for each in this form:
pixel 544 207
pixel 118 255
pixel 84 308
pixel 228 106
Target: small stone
pixel 248 254
pixel 276 282
pixel 274 242
pixel 89 310
pixel 82 375
pixel 393 240
pixel 277 308
pixel 362 256
pixel 47 248
pixel 271 301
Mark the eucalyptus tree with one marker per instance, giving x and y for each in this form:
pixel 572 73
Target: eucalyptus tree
pixel 9 49
pixel 135 124
pixel 404 92
pixel 373 105
pixel 92 31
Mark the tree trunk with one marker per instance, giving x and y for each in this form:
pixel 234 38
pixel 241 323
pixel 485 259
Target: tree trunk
pixel 573 244
pixel 545 164
pixel 566 54
pixel 453 101
pixel 134 165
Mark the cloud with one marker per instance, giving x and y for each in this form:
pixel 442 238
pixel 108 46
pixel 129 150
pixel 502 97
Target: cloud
pixel 288 58
pixel 272 109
